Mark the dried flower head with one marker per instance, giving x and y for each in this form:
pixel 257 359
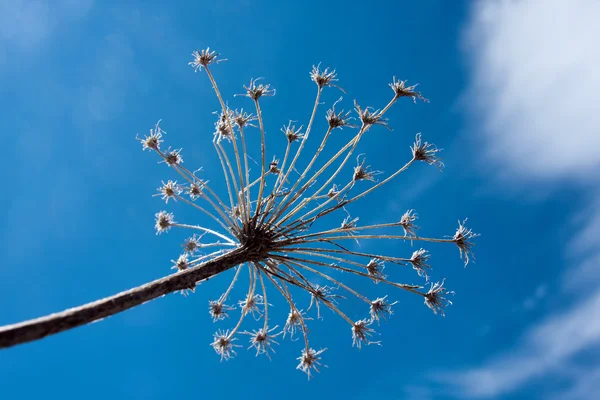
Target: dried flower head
pixel 223 344
pixel 323 294
pixel 203 58
pixel 182 263
pixel 380 308
pixel 218 310
pixel 263 340
pixel 172 157
pixel 362 173
pixel 361 332
pixel 375 269
pixel 295 320
pixel 462 239
pixel 407 222
pixel 169 190
pixel 423 151
pixel 251 304
pixel 154 139
pixel 340 119
pixel 369 117
pixel 276 232
pixel 324 78
pixel 401 90
pixel 310 359
pixel 292 133
pixel 274 166
pixel 255 91
pixel 242 118
pixel 436 299
pixel 192 244
pixel 164 221
pixel 419 260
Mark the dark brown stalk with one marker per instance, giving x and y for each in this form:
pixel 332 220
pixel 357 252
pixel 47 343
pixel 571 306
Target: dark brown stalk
pixel 34 329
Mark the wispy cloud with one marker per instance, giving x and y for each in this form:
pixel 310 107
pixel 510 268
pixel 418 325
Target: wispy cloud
pixel 543 349
pixel 536 89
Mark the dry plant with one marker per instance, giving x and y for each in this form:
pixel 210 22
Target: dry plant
pixel 268 227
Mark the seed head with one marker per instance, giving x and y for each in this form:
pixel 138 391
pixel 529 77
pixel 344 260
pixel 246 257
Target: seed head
pixel 273 167
pixel 195 190
pixel 361 333
pixel 203 58
pixel 310 359
pixel 462 239
pixel 218 310
pixel 250 305
pixel 182 263
pixel 192 244
pixel 223 345
pixel 401 90
pixel 173 157
pixel 407 223
pixel 242 118
pixel 255 91
pixel 369 117
pixel 423 151
pixel 375 269
pixel 333 191
pixel 292 133
pixel 380 309
pixel 263 340
pixel 164 221
pixel 436 299
pixel 362 173
pixel 324 78
pixel 419 262
pixel 294 321
pixel 322 293
pixel 153 140
pixel 340 119
pixel 168 191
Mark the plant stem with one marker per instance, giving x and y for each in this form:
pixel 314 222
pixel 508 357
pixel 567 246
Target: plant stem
pixel 34 329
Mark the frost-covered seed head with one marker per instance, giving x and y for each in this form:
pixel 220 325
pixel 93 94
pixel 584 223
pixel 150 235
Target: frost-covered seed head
pixel 436 299
pixel 173 157
pixel 324 78
pixel 192 244
pixel 255 91
pixel 369 117
pixel 407 222
pixel 223 345
pixel 164 221
pixel 375 269
pixel 462 239
pixel 169 190
pixel 419 260
pixel 263 340
pixel 310 359
pixel 401 90
pixel 218 310
pixel 154 139
pixel 423 151
pixel 182 263
pixel 380 309
pixel 203 58
pixel 361 332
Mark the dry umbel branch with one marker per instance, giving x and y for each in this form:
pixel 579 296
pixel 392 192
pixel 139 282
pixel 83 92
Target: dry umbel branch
pixel 268 227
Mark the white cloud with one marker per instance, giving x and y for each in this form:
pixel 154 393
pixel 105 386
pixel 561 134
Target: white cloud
pixel 536 85
pixel 543 349
pixel 535 89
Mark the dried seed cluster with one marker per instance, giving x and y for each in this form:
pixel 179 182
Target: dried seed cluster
pixel 268 219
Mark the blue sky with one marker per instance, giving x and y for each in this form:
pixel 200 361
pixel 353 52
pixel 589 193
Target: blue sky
pixel 513 89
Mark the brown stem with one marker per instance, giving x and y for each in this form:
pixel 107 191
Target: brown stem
pixel 34 329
